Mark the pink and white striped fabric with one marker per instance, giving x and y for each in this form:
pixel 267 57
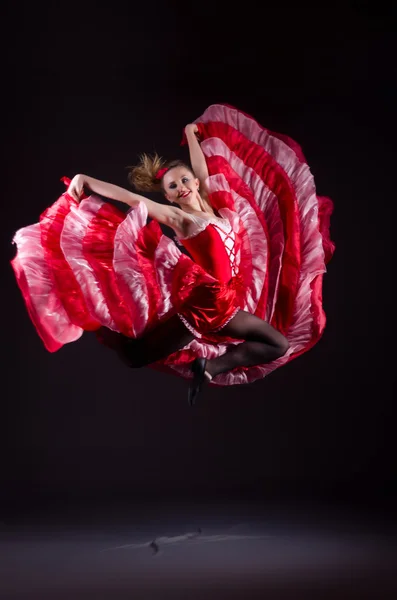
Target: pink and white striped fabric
pixel 87 265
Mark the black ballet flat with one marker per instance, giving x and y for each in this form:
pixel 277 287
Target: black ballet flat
pixel 198 370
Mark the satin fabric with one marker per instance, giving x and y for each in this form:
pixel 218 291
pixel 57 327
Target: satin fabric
pixel 87 265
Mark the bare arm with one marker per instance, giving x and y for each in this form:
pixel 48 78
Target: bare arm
pixel 197 157
pixel 168 215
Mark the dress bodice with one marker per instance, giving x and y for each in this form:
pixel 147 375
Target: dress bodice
pixel 211 241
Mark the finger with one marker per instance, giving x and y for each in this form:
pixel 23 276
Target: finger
pixel 73 194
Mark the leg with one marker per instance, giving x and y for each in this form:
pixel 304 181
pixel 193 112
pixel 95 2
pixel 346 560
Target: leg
pixel 161 341
pixel 263 344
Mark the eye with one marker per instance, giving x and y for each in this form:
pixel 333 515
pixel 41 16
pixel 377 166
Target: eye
pixel 185 179
pixel 172 186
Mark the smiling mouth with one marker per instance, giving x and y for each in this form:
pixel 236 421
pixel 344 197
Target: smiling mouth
pixel 184 195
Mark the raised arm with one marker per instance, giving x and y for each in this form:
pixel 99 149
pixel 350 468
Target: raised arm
pixel 168 215
pixel 197 158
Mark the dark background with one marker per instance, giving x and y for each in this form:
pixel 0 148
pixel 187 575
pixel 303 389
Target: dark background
pixel 86 91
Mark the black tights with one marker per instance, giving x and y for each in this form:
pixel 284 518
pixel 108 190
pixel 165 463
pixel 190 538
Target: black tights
pixel 262 343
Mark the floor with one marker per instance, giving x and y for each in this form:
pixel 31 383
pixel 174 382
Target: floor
pixel 202 550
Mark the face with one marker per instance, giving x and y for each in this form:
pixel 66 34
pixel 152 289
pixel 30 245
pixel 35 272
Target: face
pixel 181 186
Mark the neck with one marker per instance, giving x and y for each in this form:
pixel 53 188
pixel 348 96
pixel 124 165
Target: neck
pixel 200 205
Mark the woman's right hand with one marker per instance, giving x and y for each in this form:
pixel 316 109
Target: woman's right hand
pixel 76 187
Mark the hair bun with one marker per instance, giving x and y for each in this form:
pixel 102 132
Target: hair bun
pixel 143 175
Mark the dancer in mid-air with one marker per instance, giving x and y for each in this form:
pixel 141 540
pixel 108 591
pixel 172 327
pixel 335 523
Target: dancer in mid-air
pixel 242 299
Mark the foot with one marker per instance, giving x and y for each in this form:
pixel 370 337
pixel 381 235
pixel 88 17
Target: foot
pixel 199 377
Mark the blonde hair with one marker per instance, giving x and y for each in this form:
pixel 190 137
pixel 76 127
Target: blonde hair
pixel 143 175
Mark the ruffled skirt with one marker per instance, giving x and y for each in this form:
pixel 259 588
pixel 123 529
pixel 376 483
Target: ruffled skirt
pixel 90 265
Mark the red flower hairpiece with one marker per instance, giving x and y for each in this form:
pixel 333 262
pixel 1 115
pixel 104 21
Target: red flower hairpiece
pixel 161 172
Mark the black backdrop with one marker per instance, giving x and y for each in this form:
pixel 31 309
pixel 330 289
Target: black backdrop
pixel 87 91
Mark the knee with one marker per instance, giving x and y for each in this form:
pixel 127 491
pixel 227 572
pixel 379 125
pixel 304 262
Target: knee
pixel 282 347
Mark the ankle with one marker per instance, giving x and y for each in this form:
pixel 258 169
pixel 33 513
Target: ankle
pixel 209 371
pixel 207 375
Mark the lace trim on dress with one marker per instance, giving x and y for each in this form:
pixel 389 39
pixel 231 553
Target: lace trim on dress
pixel 190 328
pixel 201 224
pixel 228 321
pixel 197 334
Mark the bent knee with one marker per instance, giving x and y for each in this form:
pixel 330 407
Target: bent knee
pixel 282 347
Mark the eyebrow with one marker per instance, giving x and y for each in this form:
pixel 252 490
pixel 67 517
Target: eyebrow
pixel 173 181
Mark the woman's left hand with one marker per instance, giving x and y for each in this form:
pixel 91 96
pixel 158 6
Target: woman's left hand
pixel 191 128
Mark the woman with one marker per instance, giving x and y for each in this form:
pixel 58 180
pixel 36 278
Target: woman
pixel 246 300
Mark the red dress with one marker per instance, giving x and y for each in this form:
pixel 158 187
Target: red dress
pixel 87 265
pixel 213 301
